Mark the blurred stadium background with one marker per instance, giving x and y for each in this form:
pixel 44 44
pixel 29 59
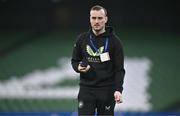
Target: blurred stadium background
pixel 36 42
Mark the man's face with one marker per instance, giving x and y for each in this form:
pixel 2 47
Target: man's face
pixel 98 19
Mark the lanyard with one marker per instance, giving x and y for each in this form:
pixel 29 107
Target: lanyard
pixel 95 48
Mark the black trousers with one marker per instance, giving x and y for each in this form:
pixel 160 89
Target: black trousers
pixel 98 101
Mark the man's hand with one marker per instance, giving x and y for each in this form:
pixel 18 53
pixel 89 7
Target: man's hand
pixel 118 97
pixel 83 69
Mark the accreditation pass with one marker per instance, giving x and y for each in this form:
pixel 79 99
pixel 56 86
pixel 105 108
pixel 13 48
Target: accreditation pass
pixel 104 57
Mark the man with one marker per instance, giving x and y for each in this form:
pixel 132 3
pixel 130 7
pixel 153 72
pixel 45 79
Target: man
pixel 98 57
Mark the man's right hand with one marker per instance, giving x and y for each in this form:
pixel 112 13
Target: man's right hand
pixel 83 69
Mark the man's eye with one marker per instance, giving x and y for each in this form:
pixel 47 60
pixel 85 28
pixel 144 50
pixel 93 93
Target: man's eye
pixel 93 17
pixel 99 17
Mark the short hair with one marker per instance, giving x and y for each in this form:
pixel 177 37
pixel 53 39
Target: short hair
pixel 98 7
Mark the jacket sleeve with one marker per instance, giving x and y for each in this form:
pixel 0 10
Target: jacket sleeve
pixel 77 54
pixel 119 65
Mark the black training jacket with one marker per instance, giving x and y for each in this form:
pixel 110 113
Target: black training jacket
pixel 101 74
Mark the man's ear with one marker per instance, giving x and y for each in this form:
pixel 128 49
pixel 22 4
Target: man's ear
pixel 106 18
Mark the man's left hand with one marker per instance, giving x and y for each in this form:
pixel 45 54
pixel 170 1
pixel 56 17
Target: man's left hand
pixel 118 97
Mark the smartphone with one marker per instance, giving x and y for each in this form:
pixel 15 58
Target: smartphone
pixel 83 64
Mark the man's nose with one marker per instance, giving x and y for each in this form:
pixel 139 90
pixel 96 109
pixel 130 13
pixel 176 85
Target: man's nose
pixel 96 20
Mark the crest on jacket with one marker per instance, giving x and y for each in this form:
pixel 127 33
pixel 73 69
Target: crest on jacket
pixel 92 53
